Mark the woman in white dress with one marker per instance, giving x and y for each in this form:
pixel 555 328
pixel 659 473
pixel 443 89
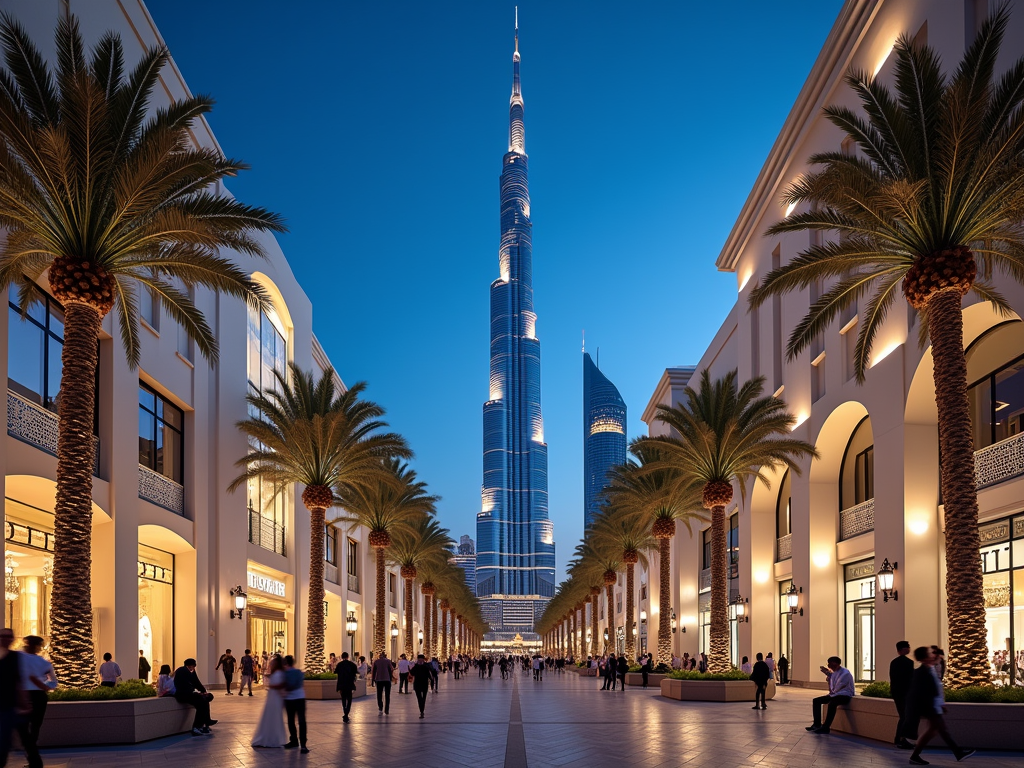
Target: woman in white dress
pixel 270 731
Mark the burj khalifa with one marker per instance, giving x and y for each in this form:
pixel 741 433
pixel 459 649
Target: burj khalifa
pixel 515 563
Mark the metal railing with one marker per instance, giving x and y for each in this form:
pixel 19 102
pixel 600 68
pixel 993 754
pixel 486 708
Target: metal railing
pixel 1001 461
pixel 353 583
pixel 784 548
pixel 857 520
pixel 33 424
pixel 331 573
pixel 161 490
pixel 266 533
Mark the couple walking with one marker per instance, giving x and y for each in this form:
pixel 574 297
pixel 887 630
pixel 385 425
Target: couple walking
pixel 285 692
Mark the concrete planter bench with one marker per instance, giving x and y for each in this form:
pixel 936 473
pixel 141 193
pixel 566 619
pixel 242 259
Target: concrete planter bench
pixel 328 689
pixel 588 672
pixel 712 690
pixel 974 726
pixel 635 678
pixel 129 721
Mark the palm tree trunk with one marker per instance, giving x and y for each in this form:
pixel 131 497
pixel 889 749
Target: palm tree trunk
pixel 610 589
pixel 380 626
pixel 630 646
pixel 433 619
pixel 965 601
pixel 664 602
pixel 444 635
pixel 314 660
pixel 593 623
pixel 426 626
pixel 71 631
pixel 408 619
pixel 718 653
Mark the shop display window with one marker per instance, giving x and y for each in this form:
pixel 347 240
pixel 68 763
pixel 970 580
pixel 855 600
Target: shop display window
pixel 28 570
pixel 1002 565
pixel 156 608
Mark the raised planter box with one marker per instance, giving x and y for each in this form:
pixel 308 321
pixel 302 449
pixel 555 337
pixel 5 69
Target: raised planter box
pixel 83 723
pixel 328 689
pixel 635 678
pixel 973 726
pixel 712 690
pixel 588 672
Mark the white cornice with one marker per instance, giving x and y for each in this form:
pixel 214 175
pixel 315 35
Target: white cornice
pixel 828 69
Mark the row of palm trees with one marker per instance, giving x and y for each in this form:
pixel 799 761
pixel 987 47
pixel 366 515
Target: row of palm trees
pixel 720 434
pixel 105 197
pixel 929 203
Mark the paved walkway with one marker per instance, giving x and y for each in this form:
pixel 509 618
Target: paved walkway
pixel 563 721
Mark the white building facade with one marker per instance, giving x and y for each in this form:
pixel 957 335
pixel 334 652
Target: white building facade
pixel 874 494
pixel 169 542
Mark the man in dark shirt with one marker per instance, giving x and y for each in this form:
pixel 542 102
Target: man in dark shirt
pixel 188 690
pixel 347 673
pixel 760 674
pixel 227 663
pixel 421 674
pixel 901 672
pixel 10 690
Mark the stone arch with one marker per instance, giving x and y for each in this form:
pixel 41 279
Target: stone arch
pixel 40 492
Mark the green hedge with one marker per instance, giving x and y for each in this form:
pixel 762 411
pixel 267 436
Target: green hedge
pixel 130 689
pixel 322 676
pixel 975 694
pixel 680 674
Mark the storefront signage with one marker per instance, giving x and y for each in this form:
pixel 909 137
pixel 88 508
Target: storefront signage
pixel 264 584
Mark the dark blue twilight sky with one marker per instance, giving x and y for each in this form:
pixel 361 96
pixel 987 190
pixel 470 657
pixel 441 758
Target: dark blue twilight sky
pixel 377 129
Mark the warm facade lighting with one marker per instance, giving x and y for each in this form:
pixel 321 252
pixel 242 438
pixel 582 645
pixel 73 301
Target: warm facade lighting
pixel 351 625
pixel 886 580
pixel 240 601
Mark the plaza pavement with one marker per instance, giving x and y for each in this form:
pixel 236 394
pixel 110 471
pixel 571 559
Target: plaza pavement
pixel 563 721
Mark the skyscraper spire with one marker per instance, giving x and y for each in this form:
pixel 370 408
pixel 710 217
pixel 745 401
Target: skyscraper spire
pixel 516 129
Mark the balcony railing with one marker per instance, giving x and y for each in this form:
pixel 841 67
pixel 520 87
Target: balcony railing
pixel 330 573
pixel 999 462
pixel 161 490
pixel 353 583
pixel 784 548
pixel 857 520
pixel 705 579
pixel 37 426
pixel 266 533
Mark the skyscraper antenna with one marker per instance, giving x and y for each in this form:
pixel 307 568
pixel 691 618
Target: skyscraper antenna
pixel 517 18
pixel 599 358
pixel 584 340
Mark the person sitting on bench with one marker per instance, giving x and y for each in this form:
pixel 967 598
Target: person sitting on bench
pixel 840 691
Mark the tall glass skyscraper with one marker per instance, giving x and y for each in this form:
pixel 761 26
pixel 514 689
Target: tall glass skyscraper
pixel 604 435
pixel 515 561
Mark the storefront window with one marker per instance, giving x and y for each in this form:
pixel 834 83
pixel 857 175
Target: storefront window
pixel 783 509
pixel 28 569
pixel 1002 564
pixel 785 622
pixel 704 619
pixel 860 620
pixel 267 612
pixel 267 350
pixel 997 404
pixel 156 607
pixel 161 442
pixel 331 544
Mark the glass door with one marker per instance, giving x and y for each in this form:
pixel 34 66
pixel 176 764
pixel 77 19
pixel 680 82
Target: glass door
pixel 863 663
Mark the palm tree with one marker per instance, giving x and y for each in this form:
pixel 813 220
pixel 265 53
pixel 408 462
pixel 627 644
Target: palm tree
pixel 723 433
pixel 656 490
pixel 384 506
pixel 106 197
pixel 935 186
pixel 304 431
pixel 423 539
pixel 623 530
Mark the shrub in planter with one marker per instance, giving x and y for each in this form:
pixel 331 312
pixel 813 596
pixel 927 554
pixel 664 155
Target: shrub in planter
pixel 662 669
pixel 634 667
pixel 129 689
pixel 877 690
pixel 974 694
pixel 680 674
pixel 322 676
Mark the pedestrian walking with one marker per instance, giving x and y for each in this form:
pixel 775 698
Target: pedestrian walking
pixel 110 672
pixel 10 683
pixel 403 674
pixel 37 680
pixel 646 664
pixel 421 675
pixel 783 670
pixel 622 669
pixel 347 673
pixel 770 661
pixel 760 674
pixel 435 670
pixel 227 662
pixel 840 691
pixel 270 733
pixel 295 704
pixel 901 673
pixel 247 667
pixel 144 667
pixel 383 672
pixel 926 701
